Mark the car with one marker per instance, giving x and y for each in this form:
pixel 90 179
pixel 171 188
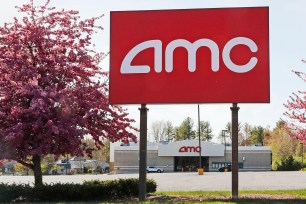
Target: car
pixel 225 168
pixel 154 169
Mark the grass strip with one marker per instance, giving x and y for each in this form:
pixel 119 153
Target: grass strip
pixel 298 192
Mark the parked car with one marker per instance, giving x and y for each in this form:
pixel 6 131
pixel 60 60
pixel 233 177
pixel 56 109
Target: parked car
pixel 225 168
pixel 105 168
pixel 154 169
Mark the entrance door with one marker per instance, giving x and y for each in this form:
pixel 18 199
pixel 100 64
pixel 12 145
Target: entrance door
pixel 190 164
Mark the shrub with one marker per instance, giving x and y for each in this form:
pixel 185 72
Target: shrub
pixel 85 169
pixel 151 186
pixel 289 164
pixel 94 190
pixel 12 192
pixel 123 187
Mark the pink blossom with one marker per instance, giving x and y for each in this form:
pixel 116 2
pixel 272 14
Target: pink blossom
pixel 48 98
pixel 296 112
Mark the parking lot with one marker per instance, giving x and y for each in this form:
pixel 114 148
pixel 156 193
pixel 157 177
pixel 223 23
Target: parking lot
pixel 190 181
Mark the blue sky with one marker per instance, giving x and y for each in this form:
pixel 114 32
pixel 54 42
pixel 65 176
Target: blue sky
pixel 287 49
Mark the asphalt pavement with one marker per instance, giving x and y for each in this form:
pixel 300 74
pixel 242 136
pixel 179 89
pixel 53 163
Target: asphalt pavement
pixel 190 181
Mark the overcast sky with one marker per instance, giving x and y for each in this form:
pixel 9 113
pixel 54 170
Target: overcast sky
pixel 287 49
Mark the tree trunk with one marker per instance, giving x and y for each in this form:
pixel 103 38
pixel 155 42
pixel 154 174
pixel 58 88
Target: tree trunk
pixel 37 170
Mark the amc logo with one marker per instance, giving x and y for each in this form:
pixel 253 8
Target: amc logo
pixel 216 55
pixel 189 149
pixel 128 68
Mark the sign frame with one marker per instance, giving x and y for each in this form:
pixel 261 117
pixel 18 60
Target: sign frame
pixel 237 90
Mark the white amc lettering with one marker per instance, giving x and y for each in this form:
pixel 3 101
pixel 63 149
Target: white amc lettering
pixel 127 68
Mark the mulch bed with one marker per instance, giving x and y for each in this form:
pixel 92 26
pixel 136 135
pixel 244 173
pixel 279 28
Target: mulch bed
pixel 163 198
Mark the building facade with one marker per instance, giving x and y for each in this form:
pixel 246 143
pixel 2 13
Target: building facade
pixel 183 156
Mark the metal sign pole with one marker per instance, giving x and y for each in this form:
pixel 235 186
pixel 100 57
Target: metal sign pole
pixel 224 140
pixel 143 153
pixel 235 110
pixel 199 132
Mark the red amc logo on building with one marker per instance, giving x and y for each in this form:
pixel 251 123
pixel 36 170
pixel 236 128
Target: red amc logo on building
pixel 190 56
pixel 189 149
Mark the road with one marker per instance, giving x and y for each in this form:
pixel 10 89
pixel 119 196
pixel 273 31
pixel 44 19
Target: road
pixel 190 181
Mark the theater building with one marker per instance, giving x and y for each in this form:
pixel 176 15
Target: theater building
pixel 183 156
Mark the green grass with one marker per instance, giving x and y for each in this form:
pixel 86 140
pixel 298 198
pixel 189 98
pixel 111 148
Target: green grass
pixel 299 192
pixel 212 197
pixel 194 193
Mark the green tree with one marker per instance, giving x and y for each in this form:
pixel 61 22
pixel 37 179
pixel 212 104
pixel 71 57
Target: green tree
pixel 281 143
pixel 289 164
pixel 55 168
pixel 47 162
pixel 299 150
pixel 246 133
pixel 257 136
pixel 228 134
pixel 185 130
pixel 22 169
pixel 177 135
pixel 105 151
pixel 169 131
pixel 98 153
pixel 206 131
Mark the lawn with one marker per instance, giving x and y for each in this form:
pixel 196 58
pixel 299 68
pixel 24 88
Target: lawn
pixel 218 197
pixel 299 192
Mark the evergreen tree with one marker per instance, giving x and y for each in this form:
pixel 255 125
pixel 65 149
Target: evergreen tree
pixel 205 131
pixel 169 131
pixel 185 130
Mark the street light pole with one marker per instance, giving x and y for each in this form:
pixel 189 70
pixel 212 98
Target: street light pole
pixel 199 132
pixel 223 135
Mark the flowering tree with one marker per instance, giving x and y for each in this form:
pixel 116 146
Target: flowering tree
pixel 296 110
pixel 52 90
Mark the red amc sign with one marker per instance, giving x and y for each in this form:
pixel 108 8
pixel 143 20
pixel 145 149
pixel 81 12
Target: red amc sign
pixel 190 56
pixel 190 149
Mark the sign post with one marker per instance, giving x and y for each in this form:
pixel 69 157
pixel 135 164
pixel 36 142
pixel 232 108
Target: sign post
pixel 143 153
pixel 189 56
pixel 235 168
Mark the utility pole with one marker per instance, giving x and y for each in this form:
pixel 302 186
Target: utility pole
pixel 199 132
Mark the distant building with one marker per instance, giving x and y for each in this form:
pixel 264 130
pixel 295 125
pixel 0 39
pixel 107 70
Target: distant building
pixel 76 165
pixel 183 156
pixel 8 166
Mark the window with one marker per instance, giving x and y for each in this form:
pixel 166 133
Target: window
pixel 217 165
